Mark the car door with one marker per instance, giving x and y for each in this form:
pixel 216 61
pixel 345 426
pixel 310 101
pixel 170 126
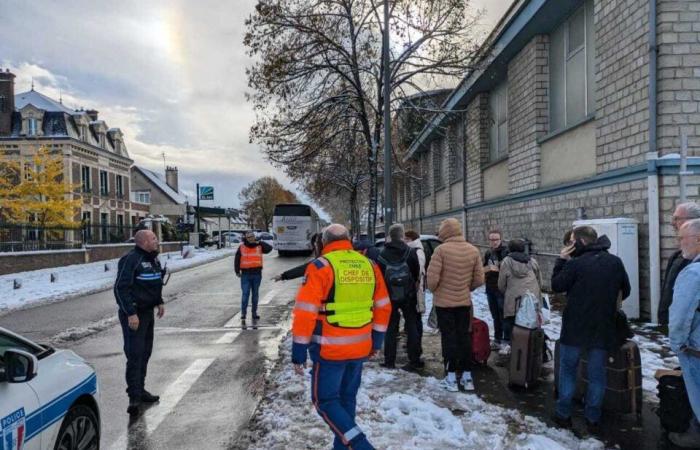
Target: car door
pixel 18 407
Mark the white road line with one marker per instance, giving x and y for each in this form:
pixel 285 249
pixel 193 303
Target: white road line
pixel 235 320
pixel 169 399
pixel 268 297
pixel 227 338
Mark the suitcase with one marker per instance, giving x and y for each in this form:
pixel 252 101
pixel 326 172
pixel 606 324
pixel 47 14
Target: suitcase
pixel 481 344
pixel 623 393
pixel 674 409
pixel 525 356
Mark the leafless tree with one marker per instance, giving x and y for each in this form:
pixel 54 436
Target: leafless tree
pixel 318 62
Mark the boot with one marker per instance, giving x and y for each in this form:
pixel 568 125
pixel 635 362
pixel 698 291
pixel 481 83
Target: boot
pixel 689 439
pixel 134 407
pixel 147 397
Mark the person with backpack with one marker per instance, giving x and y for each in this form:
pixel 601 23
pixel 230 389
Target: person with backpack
pixel 413 241
pixel 455 270
pixel 399 264
pixel 519 273
pixel 684 328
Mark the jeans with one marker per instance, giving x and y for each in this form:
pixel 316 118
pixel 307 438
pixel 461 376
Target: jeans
pixel 138 346
pixel 496 306
pixel 455 337
pixel 408 309
pixel 690 365
pixel 250 282
pixel 597 380
pixel 508 323
pixel 334 386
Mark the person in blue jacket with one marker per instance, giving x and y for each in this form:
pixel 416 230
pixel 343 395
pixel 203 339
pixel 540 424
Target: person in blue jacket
pixel 684 328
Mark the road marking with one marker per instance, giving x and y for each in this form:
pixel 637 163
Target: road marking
pixel 227 338
pixel 169 399
pixel 234 321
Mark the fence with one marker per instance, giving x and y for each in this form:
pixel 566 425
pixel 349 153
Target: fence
pixel 31 237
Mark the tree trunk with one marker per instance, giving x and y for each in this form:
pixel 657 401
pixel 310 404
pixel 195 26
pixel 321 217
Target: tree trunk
pixel 354 216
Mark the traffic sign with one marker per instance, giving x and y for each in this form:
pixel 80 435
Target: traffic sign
pixel 206 193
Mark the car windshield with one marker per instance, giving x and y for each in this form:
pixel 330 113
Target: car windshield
pixel 7 342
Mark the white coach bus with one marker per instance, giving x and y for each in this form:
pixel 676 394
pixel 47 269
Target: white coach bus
pixel 292 227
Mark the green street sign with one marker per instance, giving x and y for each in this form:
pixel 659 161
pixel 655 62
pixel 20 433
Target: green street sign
pixel 206 193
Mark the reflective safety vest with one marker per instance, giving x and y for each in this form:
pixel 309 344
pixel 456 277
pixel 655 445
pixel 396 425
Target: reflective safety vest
pixel 350 302
pixel 251 258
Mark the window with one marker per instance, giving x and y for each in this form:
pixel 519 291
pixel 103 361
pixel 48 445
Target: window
pixel 28 171
pixel 104 223
pixel 438 175
pixel 120 225
pixel 120 186
pixel 458 151
pixel 31 126
pixel 104 186
pixel 85 179
pixel 498 131
pixel 143 197
pixel 571 70
pixel 87 219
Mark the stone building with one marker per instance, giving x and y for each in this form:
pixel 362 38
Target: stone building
pixel 95 157
pixel 576 109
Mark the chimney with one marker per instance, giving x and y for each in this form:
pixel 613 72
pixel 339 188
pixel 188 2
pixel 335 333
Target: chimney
pixel 171 177
pixel 93 114
pixel 7 101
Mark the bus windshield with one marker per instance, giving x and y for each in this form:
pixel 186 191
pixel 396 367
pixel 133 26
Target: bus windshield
pixel 293 226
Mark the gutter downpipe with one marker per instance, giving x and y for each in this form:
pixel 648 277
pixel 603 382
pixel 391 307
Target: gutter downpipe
pixel 653 176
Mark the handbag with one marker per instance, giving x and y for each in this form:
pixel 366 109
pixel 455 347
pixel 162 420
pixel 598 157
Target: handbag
pixel 546 310
pixel 527 315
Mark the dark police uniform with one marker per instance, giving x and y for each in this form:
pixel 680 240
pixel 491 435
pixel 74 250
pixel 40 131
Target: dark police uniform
pixel 138 290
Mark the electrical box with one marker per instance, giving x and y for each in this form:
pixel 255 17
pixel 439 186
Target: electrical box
pixel 624 238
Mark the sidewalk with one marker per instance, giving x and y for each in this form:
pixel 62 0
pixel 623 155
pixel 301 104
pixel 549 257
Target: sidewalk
pixel 82 279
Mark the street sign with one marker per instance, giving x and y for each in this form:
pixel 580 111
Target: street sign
pixel 206 193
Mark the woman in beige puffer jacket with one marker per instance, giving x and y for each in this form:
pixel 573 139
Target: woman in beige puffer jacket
pixel 454 271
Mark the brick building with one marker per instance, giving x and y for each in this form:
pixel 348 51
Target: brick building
pixel 576 110
pixel 94 155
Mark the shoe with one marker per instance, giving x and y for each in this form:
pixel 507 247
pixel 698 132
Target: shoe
pixel 242 318
pixel 387 365
pixel 256 317
pixel 689 439
pixel 449 385
pixel 495 345
pixel 147 397
pixel 561 422
pixel 592 427
pixel 505 350
pixel 134 407
pixel 413 367
pixel 467 384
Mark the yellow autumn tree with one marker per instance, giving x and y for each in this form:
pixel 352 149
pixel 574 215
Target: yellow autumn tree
pixel 41 196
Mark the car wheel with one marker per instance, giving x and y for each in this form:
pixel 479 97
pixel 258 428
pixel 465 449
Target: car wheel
pixel 79 430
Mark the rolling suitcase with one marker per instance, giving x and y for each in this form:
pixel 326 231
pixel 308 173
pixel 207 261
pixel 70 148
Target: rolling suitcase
pixel 623 393
pixel 526 356
pixel 481 344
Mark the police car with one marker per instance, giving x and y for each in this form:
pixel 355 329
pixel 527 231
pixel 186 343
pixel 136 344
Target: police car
pixel 48 398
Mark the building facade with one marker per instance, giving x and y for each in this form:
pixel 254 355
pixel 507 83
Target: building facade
pixel 161 194
pixel 95 157
pixel 577 109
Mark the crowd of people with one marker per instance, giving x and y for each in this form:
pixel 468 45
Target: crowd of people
pixel 353 297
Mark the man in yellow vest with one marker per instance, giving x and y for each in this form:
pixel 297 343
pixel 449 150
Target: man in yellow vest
pixel 248 267
pixel 340 317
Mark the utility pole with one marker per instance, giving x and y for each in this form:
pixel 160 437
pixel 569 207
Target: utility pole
pixel 196 221
pixel 388 201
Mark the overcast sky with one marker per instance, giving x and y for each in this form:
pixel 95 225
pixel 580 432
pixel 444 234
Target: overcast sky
pixel 169 73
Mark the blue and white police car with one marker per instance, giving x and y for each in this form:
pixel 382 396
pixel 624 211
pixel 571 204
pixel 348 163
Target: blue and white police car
pixel 48 397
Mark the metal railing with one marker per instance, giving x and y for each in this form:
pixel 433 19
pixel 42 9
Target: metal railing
pixel 32 237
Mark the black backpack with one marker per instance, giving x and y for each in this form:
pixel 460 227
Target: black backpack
pixel 674 409
pixel 398 278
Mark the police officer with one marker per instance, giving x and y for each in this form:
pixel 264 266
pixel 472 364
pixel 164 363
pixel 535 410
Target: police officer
pixel 138 291
pixel 340 317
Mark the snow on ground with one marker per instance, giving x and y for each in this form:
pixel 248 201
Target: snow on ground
pixel 82 279
pixel 653 346
pixel 398 410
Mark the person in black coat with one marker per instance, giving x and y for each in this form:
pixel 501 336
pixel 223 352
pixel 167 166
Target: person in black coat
pixel 492 263
pixel 593 280
pixel 396 251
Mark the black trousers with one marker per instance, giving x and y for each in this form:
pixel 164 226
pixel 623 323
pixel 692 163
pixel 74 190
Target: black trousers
pixel 456 340
pixel 138 346
pixel 408 309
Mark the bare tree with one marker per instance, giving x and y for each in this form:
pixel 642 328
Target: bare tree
pixel 318 62
pixel 258 200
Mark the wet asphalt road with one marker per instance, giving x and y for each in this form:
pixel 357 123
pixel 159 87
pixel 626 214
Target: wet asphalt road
pixel 208 369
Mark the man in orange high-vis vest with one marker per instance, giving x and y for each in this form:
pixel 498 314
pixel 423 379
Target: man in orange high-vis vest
pixel 340 317
pixel 248 266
